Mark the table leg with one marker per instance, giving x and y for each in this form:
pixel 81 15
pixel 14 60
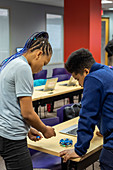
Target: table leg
pixel 79 97
pixel 36 105
pixel 65 166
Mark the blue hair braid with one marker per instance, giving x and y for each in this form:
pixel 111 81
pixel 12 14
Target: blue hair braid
pixel 27 45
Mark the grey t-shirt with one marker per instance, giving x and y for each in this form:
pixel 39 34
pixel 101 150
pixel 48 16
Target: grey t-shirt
pixel 15 81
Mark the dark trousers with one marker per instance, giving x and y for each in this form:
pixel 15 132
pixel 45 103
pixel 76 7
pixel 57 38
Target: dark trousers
pixel 106 159
pixel 15 154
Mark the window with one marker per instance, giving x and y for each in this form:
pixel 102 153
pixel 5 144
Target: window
pixel 54 26
pixel 4 34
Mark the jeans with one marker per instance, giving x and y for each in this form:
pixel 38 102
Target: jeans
pixel 106 159
pixel 15 154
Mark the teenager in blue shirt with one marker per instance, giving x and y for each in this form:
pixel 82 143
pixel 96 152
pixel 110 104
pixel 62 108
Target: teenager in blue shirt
pixel 17 116
pixel 97 105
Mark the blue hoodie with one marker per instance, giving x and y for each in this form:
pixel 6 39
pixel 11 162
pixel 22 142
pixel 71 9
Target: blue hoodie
pixel 97 108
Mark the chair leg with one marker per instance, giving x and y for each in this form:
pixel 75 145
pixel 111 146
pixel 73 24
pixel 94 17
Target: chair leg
pixel 71 100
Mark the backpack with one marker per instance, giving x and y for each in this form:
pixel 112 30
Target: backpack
pixel 72 111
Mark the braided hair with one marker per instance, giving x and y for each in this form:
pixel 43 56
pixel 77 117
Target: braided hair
pixel 35 41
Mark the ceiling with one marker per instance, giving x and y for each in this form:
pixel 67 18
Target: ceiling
pixel 60 3
pixel 107 6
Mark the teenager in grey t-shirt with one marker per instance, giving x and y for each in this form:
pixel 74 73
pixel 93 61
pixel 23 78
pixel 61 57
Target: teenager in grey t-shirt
pixel 17 116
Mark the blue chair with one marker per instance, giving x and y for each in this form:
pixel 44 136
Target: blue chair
pixel 46 161
pixel 41 75
pixel 60 113
pixel 52 121
pixel 62 77
pixel 61 73
pixel 58 71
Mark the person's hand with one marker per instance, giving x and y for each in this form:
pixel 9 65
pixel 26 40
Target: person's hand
pixel 33 133
pixel 49 132
pixel 67 154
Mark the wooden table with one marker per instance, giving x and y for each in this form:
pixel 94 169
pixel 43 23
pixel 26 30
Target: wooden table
pixel 60 92
pixel 51 146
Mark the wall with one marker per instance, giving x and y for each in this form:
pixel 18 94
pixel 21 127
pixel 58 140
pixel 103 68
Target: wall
pixel 25 19
pixel 82 27
pixel 95 29
pixel 109 14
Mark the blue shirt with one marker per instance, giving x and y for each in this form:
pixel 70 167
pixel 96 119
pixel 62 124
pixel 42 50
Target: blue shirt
pixel 97 108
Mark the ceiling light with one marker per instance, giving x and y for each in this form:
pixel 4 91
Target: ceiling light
pixel 106 2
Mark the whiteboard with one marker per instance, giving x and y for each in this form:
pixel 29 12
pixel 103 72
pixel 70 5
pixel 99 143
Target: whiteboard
pixel 54 27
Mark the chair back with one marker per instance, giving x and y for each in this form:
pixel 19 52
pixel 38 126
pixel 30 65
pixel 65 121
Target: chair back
pixel 52 121
pixel 41 75
pixel 58 71
pixel 62 77
pixel 61 73
pixel 41 160
pixel 60 112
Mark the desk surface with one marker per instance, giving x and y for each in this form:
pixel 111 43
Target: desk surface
pixel 52 146
pixel 37 95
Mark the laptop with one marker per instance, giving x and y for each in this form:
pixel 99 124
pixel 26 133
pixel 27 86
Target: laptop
pixel 72 130
pixel 71 82
pixel 50 85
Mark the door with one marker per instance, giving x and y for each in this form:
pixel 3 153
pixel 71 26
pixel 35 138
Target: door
pixel 4 34
pixel 104 39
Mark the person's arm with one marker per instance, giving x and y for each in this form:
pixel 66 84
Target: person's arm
pixel 33 119
pixel 23 89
